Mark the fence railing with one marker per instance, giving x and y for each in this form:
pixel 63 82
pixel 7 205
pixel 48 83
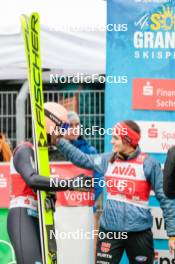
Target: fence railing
pixel 88 103
pixel 8 114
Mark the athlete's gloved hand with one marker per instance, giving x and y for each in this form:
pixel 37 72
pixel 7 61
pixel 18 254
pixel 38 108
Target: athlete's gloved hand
pixel 171 244
pixel 50 201
pixel 80 183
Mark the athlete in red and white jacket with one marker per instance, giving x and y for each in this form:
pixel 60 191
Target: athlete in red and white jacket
pixel 129 176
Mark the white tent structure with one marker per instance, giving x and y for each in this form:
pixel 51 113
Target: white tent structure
pixel 73 37
pixel 73 40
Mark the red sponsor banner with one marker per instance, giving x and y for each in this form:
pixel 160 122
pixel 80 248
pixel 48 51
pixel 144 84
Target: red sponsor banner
pixel 153 94
pixel 71 198
pixel 4 185
pixel 63 171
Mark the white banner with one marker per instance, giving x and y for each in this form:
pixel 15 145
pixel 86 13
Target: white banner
pixel 158 228
pixel 157 137
pixel 74 229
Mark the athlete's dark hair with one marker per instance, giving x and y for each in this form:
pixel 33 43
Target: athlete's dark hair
pixel 133 125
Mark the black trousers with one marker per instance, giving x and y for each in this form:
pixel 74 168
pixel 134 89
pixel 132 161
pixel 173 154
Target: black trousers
pixel 138 246
pixel 23 230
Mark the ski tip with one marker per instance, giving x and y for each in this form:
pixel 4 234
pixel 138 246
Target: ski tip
pixel 36 14
pixel 24 16
pixel 34 19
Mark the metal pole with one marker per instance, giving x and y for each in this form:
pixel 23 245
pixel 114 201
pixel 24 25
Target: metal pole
pixel 20 113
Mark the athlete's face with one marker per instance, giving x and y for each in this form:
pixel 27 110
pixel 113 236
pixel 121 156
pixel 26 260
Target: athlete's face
pixel 73 131
pixel 117 144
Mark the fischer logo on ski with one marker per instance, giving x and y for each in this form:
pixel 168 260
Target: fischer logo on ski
pixel 36 71
pixel 31 31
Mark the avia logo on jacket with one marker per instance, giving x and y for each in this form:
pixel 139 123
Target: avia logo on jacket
pixel 124 170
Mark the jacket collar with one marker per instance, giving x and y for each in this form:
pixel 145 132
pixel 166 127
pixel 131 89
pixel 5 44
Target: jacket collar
pixel 132 156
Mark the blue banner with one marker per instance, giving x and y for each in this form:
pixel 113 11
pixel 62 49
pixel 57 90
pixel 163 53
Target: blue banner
pixel 141 65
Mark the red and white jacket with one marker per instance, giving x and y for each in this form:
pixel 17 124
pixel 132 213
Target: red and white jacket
pixel 126 181
pixel 21 194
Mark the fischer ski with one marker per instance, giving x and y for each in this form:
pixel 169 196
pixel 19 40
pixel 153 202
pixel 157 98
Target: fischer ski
pixel 31 32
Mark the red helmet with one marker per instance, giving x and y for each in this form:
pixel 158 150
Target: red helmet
pixel 55 115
